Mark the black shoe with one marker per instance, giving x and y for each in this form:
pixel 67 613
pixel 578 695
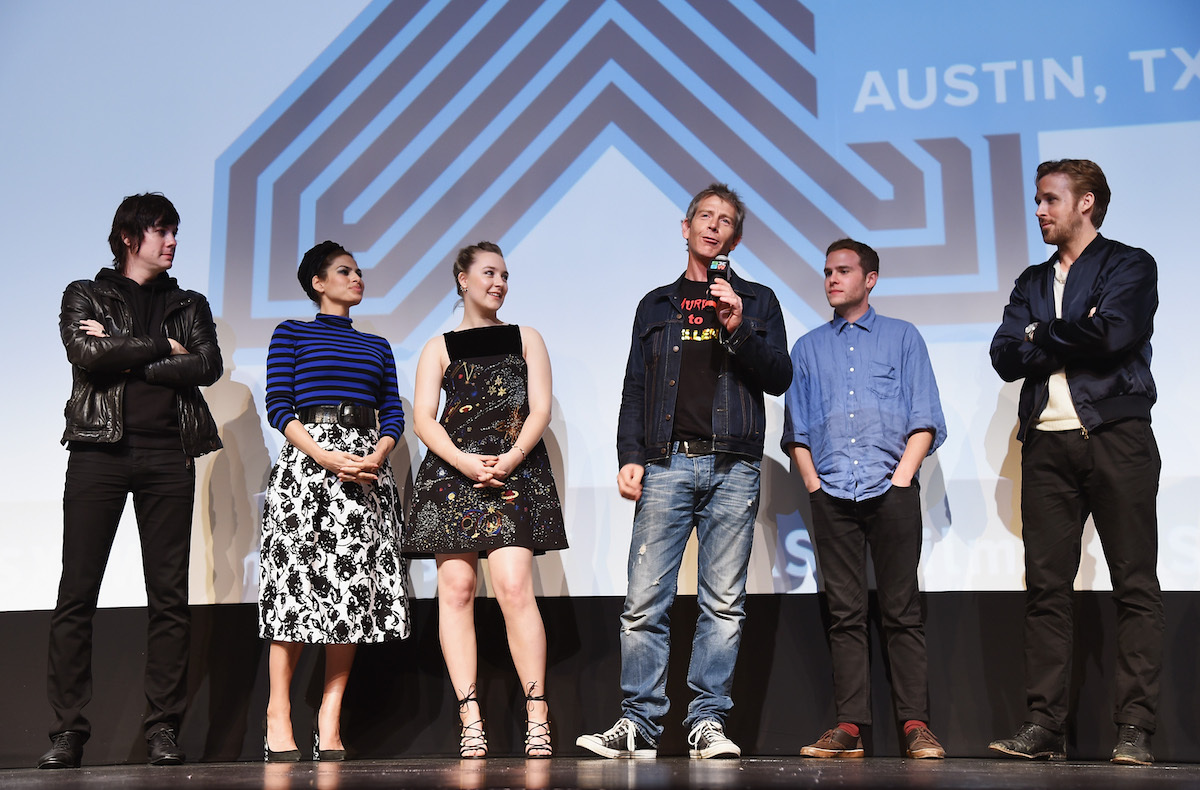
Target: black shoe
pixel 1033 742
pixel 708 739
pixel 1133 746
pixel 285 756
pixel 623 739
pixel 66 751
pixel 163 749
pixel 324 755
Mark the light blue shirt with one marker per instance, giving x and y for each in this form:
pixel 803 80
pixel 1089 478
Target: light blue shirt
pixel 859 390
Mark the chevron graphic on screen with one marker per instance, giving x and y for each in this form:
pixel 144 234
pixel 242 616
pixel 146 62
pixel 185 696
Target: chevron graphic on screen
pixel 427 126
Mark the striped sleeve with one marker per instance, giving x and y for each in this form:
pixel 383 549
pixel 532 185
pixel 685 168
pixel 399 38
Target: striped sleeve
pixel 281 374
pixel 391 410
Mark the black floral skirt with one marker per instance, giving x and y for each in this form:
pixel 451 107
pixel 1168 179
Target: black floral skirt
pixel 331 565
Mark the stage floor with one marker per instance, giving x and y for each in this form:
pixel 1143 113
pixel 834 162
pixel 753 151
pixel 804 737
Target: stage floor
pixel 672 772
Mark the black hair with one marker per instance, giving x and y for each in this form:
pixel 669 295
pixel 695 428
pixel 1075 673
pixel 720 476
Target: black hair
pixel 136 215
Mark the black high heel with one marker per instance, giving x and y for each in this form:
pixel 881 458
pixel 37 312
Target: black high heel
pixel 324 755
pixel 286 756
pixel 471 737
pixel 537 733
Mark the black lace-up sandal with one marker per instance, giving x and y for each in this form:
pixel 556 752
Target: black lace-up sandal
pixel 537 733
pixel 472 743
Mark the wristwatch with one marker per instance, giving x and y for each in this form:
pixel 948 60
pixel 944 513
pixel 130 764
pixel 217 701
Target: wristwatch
pixel 1029 330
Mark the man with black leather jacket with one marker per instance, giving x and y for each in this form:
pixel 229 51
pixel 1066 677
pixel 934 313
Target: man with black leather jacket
pixel 140 348
pixel 1077 329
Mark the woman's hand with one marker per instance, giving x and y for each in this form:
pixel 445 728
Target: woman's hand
pixel 505 464
pixel 480 468
pixel 348 467
pixel 364 471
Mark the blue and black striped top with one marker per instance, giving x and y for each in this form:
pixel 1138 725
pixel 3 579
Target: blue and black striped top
pixel 326 361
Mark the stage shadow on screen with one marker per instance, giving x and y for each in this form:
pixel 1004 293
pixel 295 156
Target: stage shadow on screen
pixel 231 485
pixel 226 650
pixel 1008 483
pixel 549 576
pixel 784 515
pixel 1003 453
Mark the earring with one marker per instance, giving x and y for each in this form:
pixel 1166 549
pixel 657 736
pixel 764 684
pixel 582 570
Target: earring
pixel 464 290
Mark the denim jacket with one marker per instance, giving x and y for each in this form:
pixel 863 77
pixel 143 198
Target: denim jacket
pixel 755 361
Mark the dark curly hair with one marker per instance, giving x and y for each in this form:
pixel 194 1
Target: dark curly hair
pixel 314 264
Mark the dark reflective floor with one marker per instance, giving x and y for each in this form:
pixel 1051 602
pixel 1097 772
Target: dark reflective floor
pixel 618 774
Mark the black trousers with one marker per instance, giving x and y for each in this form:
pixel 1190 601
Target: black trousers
pixel 1111 474
pixel 890 525
pixel 98 483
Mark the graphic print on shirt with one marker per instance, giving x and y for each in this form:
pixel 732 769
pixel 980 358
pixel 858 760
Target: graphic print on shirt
pixel 699 318
pixel 700 364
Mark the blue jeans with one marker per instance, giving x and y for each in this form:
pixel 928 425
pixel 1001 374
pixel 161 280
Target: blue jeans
pixel 718 495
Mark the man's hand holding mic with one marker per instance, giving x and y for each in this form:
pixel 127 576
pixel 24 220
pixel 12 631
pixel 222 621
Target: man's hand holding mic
pixel 728 303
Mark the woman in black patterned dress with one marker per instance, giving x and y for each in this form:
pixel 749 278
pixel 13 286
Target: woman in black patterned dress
pixel 485 487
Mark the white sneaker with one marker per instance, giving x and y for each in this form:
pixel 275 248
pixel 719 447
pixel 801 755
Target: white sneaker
pixel 621 740
pixel 707 739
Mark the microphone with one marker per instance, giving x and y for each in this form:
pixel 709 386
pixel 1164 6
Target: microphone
pixel 718 268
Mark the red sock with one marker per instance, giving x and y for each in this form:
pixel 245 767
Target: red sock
pixel 851 729
pixel 913 724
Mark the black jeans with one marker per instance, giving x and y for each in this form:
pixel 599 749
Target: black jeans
pixel 842 530
pixel 1111 474
pixel 98 483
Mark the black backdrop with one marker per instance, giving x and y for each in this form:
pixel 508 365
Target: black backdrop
pixel 399 701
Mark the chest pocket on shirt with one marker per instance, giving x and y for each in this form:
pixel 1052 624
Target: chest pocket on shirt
pixel 885 380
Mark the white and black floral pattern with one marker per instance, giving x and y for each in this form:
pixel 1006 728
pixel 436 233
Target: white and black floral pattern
pixel 331 565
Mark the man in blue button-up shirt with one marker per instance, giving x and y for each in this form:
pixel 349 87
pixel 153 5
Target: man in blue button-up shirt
pixel 862 413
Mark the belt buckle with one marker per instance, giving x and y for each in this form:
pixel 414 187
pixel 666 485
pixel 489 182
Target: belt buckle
pixel 345 414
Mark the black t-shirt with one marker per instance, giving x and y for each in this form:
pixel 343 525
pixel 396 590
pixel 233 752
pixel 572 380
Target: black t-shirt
pixel 700 365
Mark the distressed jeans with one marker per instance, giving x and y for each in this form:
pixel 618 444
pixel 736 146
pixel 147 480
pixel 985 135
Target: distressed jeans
pixel 718 496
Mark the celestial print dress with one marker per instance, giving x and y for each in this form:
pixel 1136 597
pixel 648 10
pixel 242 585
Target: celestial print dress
pixel 487 402
pixel 331 569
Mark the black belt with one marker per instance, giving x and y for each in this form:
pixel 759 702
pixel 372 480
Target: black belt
pixel 346 414
pixel 691 447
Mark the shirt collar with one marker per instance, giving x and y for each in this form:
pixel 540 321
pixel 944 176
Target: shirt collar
pixel 867 322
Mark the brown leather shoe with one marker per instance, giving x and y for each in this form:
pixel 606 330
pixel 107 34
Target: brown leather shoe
pixel 922 745
pixel 835 743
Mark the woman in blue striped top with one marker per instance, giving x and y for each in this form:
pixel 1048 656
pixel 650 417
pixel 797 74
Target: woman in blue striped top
pixel 332 572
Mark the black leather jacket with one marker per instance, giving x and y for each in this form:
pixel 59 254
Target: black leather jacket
pixel 99 365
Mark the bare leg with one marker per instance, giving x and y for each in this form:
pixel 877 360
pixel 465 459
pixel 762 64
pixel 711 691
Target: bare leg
pixel 512 577
pixel 338 660
pixel 456 580
pixel 281 665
